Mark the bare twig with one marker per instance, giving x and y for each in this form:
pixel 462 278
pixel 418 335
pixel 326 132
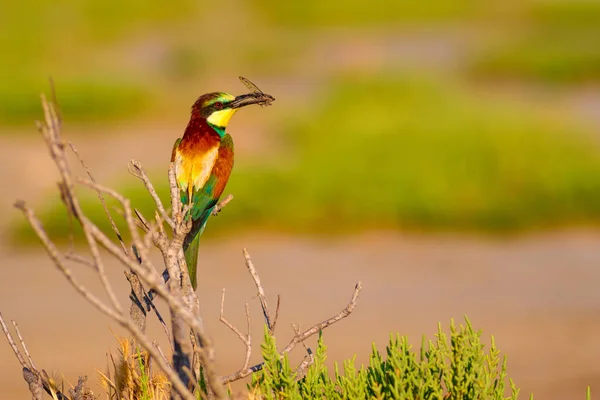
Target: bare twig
pixel 182 312
pixel 143 222
pixel 300 337
pixel 116 316
pixel 308 360
pixel 12 343
pixel 246 339
pixel 190 349
pixel 220 205
pixel 23 344
pixel 78 258
pixel 272 330
pixel 136 310
pixel 174 192
pixel 32 376
pixel 110 218
pixel 157 346
pixel 56 257
pixel 51 132
pixel 261 291
pixel 135 168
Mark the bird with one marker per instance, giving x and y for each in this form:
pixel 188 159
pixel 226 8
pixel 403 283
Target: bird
pixel 203 160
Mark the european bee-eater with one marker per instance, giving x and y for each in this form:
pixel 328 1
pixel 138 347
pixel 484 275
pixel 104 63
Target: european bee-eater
pixel 203 160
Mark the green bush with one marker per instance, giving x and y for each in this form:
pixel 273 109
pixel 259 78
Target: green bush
pixel 454 366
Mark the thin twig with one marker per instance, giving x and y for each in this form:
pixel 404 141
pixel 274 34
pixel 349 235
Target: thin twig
pixel 300 337
pixel 51 131
pixel 56 257
pixel 78 258
pixel 30 373
pixel 246 339
pixel 135 168
pixel 171 259
pixel 308 360
pixel 113 225
pixel 272 330
pixel 143 222
pixel 12 343
pixel 220 205
pixel 116 316
pixel 261 291
pixel 23 344
pixel 157 346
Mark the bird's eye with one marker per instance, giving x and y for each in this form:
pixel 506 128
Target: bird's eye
pixel 218 105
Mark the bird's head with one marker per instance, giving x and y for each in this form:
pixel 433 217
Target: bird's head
pixel 218 107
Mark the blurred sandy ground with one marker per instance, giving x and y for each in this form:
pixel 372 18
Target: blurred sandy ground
pixel 537 295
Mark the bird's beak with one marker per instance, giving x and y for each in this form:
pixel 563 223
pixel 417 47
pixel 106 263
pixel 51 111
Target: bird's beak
pixel 252 98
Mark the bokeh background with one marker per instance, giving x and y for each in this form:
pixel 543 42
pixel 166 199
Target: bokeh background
pixel 445 153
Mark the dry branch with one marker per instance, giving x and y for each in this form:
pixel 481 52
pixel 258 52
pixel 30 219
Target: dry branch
pixel 221 204
pixel 135 168
pixel 136 310
pixel 147 272
pixel 246 339
pixel 261 294
pixel 300 337
pixel 308 360
pixel 23 344
pixel 191 347
pixel 37 381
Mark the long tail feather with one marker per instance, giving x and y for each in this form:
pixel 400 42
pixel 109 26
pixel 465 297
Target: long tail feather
pixel 191 242
pixel 191 258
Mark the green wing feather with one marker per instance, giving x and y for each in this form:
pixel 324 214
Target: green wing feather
pixel 204 201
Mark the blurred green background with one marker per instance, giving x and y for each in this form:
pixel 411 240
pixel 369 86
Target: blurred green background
pixel 446 115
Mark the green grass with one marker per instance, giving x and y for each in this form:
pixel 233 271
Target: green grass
pixel 395 152
pixel 403 153
pixel 550 41
pixel 89 99
pixel 561 56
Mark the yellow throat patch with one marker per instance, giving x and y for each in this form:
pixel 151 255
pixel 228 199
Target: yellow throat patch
pixel 221 118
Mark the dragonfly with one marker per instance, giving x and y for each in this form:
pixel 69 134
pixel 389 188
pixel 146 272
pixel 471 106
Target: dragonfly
pixel 267 98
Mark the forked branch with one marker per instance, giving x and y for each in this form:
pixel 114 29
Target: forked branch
pixel 299 337
pixel 37 381
pixel 138 262
pixel 192 348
